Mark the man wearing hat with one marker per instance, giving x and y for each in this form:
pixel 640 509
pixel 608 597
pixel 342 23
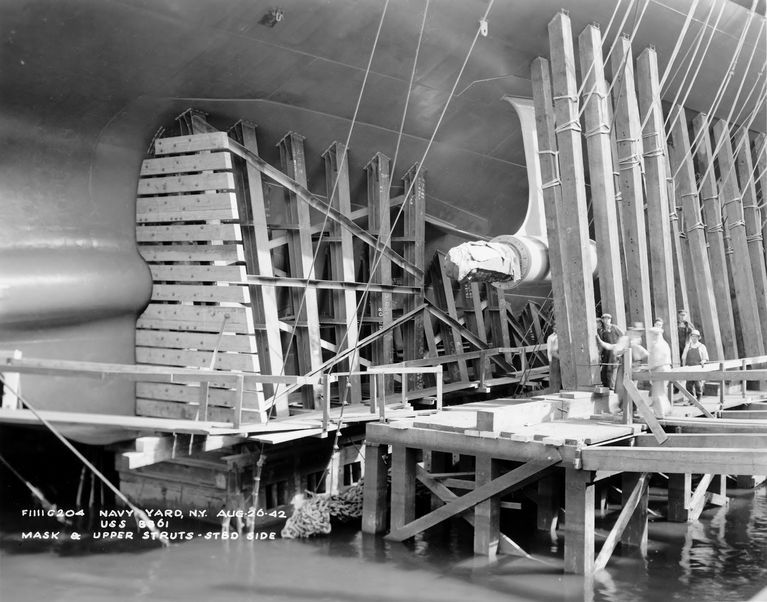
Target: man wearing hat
pixel 695 354
pixel 609 334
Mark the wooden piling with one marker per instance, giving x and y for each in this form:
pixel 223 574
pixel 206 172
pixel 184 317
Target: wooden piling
pixel 487 514
pixel 403 469
pixel 375 502
pixel 635 531
pixel 579 521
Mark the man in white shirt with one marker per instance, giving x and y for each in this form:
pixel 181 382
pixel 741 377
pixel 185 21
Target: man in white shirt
pixel 552 350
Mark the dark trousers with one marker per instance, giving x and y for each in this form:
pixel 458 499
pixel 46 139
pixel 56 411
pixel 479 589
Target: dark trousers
pixel 608 375
pixel 695 387
pixel 555 375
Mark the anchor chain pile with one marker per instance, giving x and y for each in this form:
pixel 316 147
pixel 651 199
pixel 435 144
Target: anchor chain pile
pixel 312 513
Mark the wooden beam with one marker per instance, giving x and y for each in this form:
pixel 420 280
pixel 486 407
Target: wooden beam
pixel 716 440
pixel 487 514
pixel 634 496
pixel 579 521
pixel 444 299
pixel 644 411
pixel 752 216
pixel 510 481
pixel 379 224
pixel 760 157
pixel 696 460
pixel 258 257
pixel 692 399
pixel 742 275
pixel 374 502
pixel 712 215
pixel 628 134
pixel 342 264
pixel 301 256
pixel 545 122
pixel 679 489
pixel 574 215
pixel 403 469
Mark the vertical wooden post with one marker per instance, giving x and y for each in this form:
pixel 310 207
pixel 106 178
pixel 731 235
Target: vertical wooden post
pixel 635 533
pixel 374 500
pixel 742 275
pixel 475 321
pixel 601 174
pixel 552 200
pixel 700 274
pixel 258 258
pixel 301 255
pixel 718 489
pixel 499 325
pixel 342 263
pixel 627 126
pixel 436 462
pixel 574 215
pixel 760 157
pixel 752 215
pixel 712 213
pixel 414 224
pixel 444 299
pixel 487 514
pixel 679 496
pixel 379 224
pixel 402 486
pixel 579 521
pixel 659 234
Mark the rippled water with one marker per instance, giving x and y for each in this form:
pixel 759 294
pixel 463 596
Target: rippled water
pixel 721 557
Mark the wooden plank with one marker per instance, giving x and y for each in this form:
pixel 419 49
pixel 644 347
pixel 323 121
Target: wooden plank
pixel 510 481
pixel 251 206
pixel 445 300
pixel 342 264
pixel 414 228
pixel 760 156
pixel 603 205
pixel 186 164
pixel 716 440
pixel 692 399
pixel 178 233
pixel 172 449
pixel 173 339
pixel 635 533
pixel 200 293
pixel 628 133
pixel 196 318
pixel 403 468
pixel 197 273
pixel 223 253
pixel 497 309
pixel 631 504
pixel 679 491
pixel 573 218
pixel 712 214
pixel 301 254
pixel 379 225
pixel 645 412
pixel 200 359
pixel 475 321
pixel 194 183
pixel 190 411
pixel 579 523
pixel 487 514
pixel 742 275
pixel 186 207
pixel 752 216
pixel 191 144
pixel 191 394
pixel 374 502
pixel 659 235
pixel 695 460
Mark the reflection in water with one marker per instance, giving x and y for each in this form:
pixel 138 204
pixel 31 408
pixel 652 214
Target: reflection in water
pixel 723 556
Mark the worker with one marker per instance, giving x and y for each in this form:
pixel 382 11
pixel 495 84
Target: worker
pixel 659 358
pixel 695 354
pixel 684 328
pixel 555 374
pixel 608 333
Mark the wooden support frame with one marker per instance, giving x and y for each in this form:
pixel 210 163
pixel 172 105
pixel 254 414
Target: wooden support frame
pixel 552 199
pixel 760 157
pixel 301 255
pixel 712 215
pixel 573 218
pixel 379 224
pixel 445 300
pixel 497 311
pixel 659 236
pixel 742 275
pixel 697 460
pixel 475 321
pixel 603 205
pixel 579 521
pixel 629 139
pixel 700 275
pixel 752 216
pixel 342 262
pixel 374 502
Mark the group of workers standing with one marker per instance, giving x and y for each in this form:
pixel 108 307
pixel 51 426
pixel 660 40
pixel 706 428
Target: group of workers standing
pixel 613 343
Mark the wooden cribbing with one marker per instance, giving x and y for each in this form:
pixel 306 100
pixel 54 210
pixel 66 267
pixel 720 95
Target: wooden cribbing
pixel 573 217
pixel 659 235
pixel 301 254
pixel 597 120
pixel 707 315
pixel 752 216
pixel 414 232
pixel 628 134
pixel 379 224
pixel 742 274
pixel 712 215
pixel 258 259
pixel 342 264
pixel 512 480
